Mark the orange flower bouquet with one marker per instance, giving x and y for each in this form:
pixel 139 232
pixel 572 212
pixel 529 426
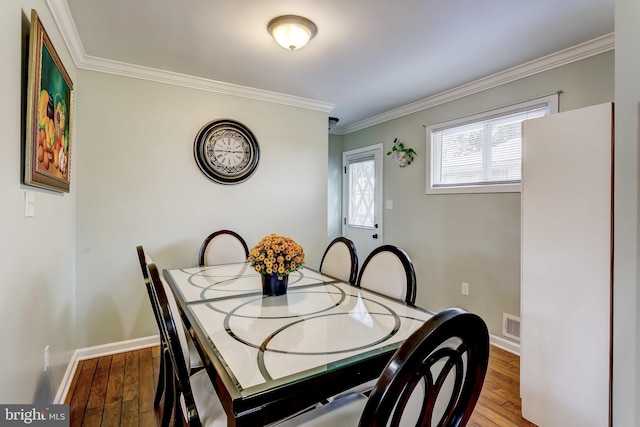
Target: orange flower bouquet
pixel 276 255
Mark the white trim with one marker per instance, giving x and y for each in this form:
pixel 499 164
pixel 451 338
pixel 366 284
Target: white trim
pixel 582 51
pixel 99 351
pixel 63 390
pixel 67 28
pixel 504 344
pixel 64 21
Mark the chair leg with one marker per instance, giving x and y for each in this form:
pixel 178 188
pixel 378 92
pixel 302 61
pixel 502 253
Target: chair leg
pixel 178 419
pixel 169 394
pixel 161 377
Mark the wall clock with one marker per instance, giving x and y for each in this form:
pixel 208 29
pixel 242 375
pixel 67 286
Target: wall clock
pixel 226 151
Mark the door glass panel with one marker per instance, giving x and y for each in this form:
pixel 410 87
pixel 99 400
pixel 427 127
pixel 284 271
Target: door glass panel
pixel 362 193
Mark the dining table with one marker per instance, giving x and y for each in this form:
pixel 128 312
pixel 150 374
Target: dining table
pixel 270 357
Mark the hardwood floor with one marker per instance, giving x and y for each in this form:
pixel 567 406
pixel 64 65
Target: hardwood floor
pixel 118 390
pixel 115 390
pixel 499 403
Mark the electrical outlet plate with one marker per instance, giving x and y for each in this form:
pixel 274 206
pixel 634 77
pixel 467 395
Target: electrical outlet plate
pixel 29 204
pixel 465 289
pixel 46 358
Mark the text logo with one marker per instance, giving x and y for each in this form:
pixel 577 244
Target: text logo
pixel 49 416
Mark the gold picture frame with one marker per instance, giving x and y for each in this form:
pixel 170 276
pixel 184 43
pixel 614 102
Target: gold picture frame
pixel 49 114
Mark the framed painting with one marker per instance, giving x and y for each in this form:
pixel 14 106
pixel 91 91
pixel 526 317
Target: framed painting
pixel 49 114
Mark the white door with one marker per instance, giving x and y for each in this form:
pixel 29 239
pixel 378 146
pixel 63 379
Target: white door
pixel 362 198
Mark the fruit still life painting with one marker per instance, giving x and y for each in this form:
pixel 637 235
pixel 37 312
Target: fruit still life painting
pixel 53 135
pixel 49 114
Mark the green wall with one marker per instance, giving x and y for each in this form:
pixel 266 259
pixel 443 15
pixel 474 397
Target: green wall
pixel 472 238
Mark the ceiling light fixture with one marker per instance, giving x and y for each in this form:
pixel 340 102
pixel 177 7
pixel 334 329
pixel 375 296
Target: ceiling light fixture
pixel 292 32
pixel 333 121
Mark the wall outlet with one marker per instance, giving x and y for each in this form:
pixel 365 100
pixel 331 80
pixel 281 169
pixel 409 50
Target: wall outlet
pixel 46 358
pixel 465 289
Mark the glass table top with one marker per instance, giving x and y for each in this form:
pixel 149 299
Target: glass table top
pixel 321 323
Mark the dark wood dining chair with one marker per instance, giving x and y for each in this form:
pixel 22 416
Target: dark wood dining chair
pixel 340 260
pixel 223 247
pixel 196 402
pixel 433 379
pixel 388 270
pixel 165 375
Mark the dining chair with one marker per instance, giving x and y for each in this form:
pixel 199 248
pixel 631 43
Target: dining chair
pixel 165 374
pixel 388 270
pixel 223 247
pixel 340 260
pixel 433 379
pixel 196 401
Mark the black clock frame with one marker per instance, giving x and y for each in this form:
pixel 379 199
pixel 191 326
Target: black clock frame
pixel 199 151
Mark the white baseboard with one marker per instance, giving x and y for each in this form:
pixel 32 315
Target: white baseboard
pixel 504 344
pixel 99 351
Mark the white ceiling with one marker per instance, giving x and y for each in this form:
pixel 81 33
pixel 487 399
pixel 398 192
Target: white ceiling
pixel 369 57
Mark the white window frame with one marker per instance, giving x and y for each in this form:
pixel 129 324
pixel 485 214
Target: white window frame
pixel 550 100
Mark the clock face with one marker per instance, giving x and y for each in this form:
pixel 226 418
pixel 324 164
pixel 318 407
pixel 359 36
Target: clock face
pixel 226 151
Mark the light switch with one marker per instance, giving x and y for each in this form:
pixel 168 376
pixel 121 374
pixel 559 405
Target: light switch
pixel 388 204
pixel 29 204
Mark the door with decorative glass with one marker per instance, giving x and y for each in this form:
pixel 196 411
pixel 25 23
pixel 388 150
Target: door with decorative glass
pixel 362 198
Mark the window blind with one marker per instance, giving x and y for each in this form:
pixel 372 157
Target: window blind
pixel 486 152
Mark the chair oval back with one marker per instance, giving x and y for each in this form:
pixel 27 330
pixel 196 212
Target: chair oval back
pixel 435 377
pixel 340 260
pixel 223 247
pixel 388 270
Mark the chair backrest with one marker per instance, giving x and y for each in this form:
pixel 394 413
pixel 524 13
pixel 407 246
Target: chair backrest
pixel 340 260
pixel 435 377
pixel 223 247
pixel 388 270
pixel 173 331
pixel 145 260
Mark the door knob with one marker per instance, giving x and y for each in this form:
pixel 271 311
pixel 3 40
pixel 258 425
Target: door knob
pixel 375 236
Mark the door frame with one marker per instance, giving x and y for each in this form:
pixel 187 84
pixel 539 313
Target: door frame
pixel 377 150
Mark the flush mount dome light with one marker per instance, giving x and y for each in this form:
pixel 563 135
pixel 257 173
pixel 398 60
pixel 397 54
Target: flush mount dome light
pixel 292 32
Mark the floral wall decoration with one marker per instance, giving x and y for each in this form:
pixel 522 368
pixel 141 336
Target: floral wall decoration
pixel 403 155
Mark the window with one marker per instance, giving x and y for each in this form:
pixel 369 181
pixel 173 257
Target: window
pixel 362 190
pixel 481 153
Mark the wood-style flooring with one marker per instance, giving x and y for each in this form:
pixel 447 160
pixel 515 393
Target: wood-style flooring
pixel 118 390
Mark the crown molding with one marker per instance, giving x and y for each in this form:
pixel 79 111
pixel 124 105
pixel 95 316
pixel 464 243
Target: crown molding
pixel 64 21
pixel 145 73
pixel 582 51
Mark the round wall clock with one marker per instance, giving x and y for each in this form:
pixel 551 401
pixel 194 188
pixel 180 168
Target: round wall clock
pixel 226 151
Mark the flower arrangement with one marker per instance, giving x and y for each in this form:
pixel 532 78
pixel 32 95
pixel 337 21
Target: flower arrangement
pixel 276 254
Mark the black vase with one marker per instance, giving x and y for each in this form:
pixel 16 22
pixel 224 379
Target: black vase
pixel 272 286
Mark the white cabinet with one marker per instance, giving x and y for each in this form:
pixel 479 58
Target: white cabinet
pixel 566 268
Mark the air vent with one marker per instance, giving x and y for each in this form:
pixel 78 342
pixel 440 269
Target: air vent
pixel 511 326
